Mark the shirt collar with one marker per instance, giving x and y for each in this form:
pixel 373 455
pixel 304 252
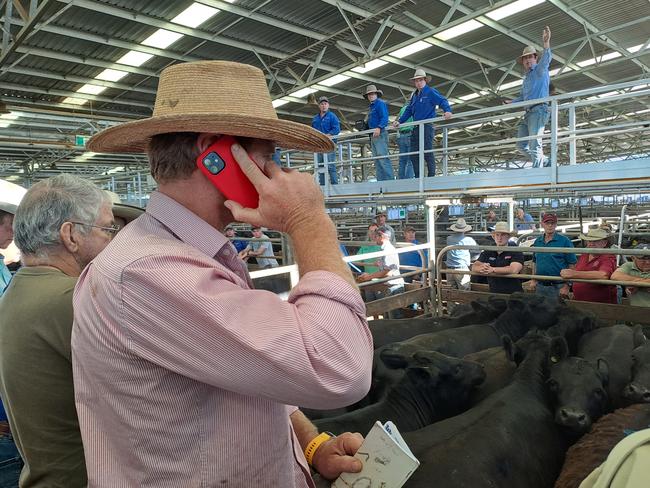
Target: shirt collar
pixel 185 224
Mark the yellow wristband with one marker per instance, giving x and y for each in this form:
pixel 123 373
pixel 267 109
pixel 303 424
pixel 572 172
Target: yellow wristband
pixel 315 443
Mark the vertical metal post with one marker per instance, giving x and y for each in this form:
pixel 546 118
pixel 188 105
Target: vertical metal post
pixel 420 130
pixel 511 216
pixel 431 239
pixel 554 127
pixel 621 227
pixel 325 171
pixel 572 134
pixel 350 168
pixel 6 34
pixel 288 156
pixel 139 189
pixel 445 154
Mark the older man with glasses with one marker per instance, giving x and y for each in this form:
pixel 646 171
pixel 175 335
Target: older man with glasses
pixel 61 225
pixel 637 271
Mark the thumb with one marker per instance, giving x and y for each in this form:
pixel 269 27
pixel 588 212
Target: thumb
pixel 347 464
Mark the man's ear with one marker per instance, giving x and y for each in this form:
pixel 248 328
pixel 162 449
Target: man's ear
pixel 205 140
pixel 69 238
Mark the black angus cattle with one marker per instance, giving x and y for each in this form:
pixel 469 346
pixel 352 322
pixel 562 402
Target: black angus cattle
pixel 614 344
pixel 578 388
pixel 434 386
pixel 509 440
pixel 572 324
pixel 478 312
pixel 638 390
pixel 499 371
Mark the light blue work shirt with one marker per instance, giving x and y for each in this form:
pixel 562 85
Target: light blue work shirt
pixel 537 79
pixel 459 258
pixel 5 275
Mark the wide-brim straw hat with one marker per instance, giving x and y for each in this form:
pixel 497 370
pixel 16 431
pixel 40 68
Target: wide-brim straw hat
pixel 127 212
pixel 527 51
pixel 420 73
pixel 503 228
pixel 8 207
pixel 595 234
pixel 460 226
pixel 218 97
pixel 373 89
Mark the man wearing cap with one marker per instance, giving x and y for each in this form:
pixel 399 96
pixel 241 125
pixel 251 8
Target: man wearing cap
pixel 327 123
pixel 551 264
pixel 422 106
pixel 636 271
pixel 240 245
pixel 378 122
pixel 535 85
pixel 459 259
pixel 184 374
pixel 593 267
pixel 380 218
pixel 61 224
pixel 495 263
pixel 7 211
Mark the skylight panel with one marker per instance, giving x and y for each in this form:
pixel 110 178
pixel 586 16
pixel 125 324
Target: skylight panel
pixel 511 84
pixel 194 15
pixel 369 66
pixel 410 49
pixel 599 59
pixel 279 102
pixel 512 8
pixel 162 38
pixel 134 58
pixel 91 89
pixel 458 30
pixel 74 101
pixel 303 92
pixel 111 75
pixel 334 80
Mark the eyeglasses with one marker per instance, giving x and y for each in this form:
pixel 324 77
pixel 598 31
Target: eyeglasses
pixel 111 231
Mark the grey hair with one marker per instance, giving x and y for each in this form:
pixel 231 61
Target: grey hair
pixel 48 205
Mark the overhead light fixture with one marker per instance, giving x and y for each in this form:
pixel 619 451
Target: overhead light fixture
pixel 410 49
pixel 162 39
pixel 458 30
pixel 278 102
pixel 512 8
pixel 111 75
pixel 74 101
pixel 194 15
pixel 91 89
pixel 334 80
pixel 370 65
pixel 303 92
pixel 634 49
pixel 134 58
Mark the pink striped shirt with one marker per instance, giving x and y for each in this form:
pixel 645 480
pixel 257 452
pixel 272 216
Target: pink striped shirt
pixel 183 373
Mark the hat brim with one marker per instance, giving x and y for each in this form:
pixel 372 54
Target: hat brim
pixel 8 207
pixel 459 229
pixel 510 233
pixel 378 92
pixel 127 212
pixel 520 58
pixel 134 137
pixel 585 237
pixel 427 78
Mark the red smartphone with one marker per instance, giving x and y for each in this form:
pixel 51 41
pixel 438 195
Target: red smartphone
pixel 218 164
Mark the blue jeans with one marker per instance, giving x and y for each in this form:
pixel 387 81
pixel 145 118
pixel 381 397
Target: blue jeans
pixel 428 145
pixel 331 168
pixel 405 164
pixel 379 148
pixel 10 462
pixel 549 291
pixel 533 124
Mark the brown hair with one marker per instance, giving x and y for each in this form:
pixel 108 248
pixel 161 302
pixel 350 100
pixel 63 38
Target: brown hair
pixel 173 155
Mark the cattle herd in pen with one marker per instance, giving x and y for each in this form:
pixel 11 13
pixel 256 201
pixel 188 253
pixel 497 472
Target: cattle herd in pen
pixel 508 392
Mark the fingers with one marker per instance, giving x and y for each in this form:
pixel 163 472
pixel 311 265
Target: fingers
pixel 350 442
pixel 241 214
pixel 248 166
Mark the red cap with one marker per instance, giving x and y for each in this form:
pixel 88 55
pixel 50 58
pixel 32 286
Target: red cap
pixel 549 218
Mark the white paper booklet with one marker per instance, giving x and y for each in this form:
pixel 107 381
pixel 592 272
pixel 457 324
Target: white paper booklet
pixel 387 460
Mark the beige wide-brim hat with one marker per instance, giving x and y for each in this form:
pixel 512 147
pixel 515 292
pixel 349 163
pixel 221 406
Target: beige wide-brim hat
pixel 372 89
pixel 503 228
pixel 420 73
pixel 527 51
pixel 218 97
pixel 127 212
pixel 460 226
pixel 8 207
pixel 595 234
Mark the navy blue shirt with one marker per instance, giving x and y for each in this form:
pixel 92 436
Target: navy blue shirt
pixel 377 114
pixel 423 104
pixel 550 263
pixel 412 258
pixel 327 124
pixel 240 245
pixel 537 79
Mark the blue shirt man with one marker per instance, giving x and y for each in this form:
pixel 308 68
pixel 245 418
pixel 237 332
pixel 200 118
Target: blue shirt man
pixel 459 258
pixel 550 264
pixel 535 85
pixel 524 221
pixel 327 123
pixel 378 122
pixel 422 106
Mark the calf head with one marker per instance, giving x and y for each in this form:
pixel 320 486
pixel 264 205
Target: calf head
pixel 398 354
pixel 639 388
pixel 578 391
pixel 555 348
pixel 467 374
pixel 571 325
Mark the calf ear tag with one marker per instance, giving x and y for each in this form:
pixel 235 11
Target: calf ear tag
pixel 554 359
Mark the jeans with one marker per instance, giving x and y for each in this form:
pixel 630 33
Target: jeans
pixel 379 147
pixel 533 124
pixel 10 462
pixel 331 168
pixel 405 164
pixel 549 291
pixel 428 145
pixel 391 290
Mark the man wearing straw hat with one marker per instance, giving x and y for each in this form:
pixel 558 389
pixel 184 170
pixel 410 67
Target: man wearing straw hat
pixel 535 85
pixel 378 122
pixel 184 374
pixel 459 258
pixel 7 212
pixel 495 263
pixel 593 267
pixel 422 106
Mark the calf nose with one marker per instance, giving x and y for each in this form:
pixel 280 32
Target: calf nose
pixel 573 418
pixel 638 393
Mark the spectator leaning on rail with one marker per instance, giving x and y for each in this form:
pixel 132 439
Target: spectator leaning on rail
pixel 636 271
pixel 535 85
pixel 459 258
pixel 261 249
pixel 61 224
pixel 523 220
pixel 551 264
pixel 593 267
pixel 326 122
pixel 405 169
pixel 369 265
pixel 378 122
pixel 168 331
pixel 422 106
pixel 494 263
